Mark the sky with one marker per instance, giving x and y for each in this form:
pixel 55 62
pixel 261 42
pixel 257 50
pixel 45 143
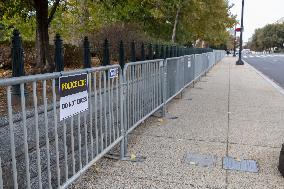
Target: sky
pixel 257 13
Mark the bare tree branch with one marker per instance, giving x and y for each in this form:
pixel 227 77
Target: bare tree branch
pixel 53 10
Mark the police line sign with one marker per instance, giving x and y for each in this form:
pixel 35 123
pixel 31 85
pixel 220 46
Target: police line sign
pixel 73 90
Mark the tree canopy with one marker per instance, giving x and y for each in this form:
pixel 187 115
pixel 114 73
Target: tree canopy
pixel 198 19
pixel 270 36
pixel 178 21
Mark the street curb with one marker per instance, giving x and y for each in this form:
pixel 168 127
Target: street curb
pixel 274 84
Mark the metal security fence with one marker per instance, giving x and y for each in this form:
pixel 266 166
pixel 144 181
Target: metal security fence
pixel 188 68
pixel 143 85
pixel 43 152
pixel 174 76
pixel 40 151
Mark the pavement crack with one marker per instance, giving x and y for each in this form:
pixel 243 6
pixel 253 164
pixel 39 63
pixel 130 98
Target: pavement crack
pixel 228 124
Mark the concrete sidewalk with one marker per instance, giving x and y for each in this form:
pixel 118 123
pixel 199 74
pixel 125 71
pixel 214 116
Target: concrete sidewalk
pixel 232 112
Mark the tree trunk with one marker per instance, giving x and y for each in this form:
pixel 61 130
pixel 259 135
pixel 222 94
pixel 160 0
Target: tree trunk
pixel 175 25
pixel 43 58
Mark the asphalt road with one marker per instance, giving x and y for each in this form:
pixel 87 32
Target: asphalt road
pixel 271 65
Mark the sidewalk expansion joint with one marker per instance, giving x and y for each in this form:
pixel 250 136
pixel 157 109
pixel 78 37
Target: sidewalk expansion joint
pixel 179 139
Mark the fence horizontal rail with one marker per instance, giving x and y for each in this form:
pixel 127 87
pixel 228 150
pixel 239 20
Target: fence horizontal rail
pixel 39 150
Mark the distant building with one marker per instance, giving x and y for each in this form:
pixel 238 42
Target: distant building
pixel 280 21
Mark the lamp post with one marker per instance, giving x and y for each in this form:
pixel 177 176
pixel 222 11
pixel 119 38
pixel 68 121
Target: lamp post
pixel 240 62
pixel 235 38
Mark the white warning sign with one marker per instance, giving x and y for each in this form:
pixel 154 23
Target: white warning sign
pixel 73 91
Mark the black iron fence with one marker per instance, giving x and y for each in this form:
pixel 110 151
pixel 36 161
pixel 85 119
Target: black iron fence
pixel 136 51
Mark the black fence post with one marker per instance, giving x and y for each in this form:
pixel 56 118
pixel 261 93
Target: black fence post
pixel 162 55
pixel 58 56
pixel 167 51
pixel 142 52
pixel 150 52
pixel 106 59
pixel 176 51
pixel 17 55
pixel 157 53
pixel 17 60
pixel 133 52
pixel 121 55
pixel 87 55
pixel 171 51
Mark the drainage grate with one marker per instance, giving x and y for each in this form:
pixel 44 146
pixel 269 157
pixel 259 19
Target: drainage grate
pixel 200 160
pixel 240 165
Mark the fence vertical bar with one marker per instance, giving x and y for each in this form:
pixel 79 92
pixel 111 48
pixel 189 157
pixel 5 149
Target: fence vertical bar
pixel 86 137
pixel 72 145
pixel 55 132
pixel 123 112
pixel 37 135
pixel 26 148
pixel 101 111
pixel 118 89
pixel 12 137
pixel 79 140
pixel 105 108
pixel 65 150
pixel 46 133
pixel 91 113
pixel 1 179
pixel 96 114
pixel 164 80
pixel 108 106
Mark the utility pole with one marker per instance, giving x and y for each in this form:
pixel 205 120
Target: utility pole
pixel 240 61
pixel 235 38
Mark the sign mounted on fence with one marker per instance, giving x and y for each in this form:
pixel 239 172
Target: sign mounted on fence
pixel 188 63
pixel 73 90
pixel 113 73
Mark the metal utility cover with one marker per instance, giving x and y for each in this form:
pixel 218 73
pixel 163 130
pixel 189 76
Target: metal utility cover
pixel 200 160
pixel 240 165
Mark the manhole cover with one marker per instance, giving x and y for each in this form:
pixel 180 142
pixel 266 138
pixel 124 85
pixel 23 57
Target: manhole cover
pixel 200 160
pixel 240 165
